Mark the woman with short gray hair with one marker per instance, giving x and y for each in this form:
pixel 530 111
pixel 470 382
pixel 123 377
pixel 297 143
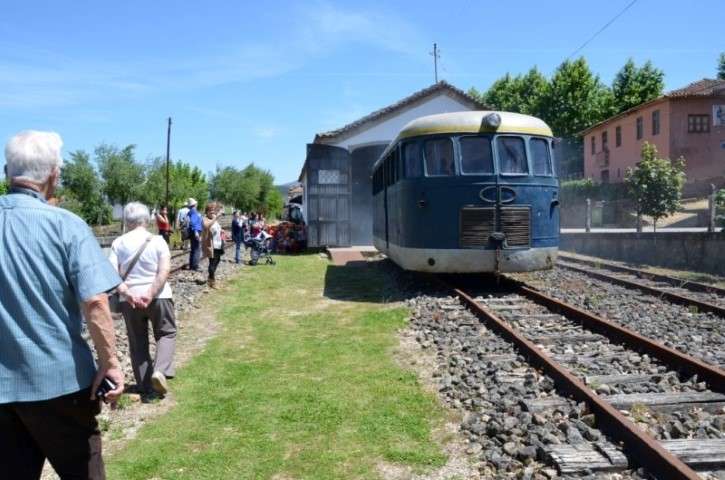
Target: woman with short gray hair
pixel 143 260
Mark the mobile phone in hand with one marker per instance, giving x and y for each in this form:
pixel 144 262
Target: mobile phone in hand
pixel 106 386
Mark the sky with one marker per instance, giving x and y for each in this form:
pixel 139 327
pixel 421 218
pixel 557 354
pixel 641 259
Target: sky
pixel 254 81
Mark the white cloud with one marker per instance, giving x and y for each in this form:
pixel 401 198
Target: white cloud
pixel 266 132
pixel 33 78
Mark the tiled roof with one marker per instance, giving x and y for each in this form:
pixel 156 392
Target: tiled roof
pixel 441 86
pixel 704 87
pixel 701 88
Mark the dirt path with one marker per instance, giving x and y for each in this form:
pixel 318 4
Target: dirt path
pixel 195 328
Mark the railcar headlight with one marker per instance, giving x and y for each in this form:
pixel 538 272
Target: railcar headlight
pixel 493 120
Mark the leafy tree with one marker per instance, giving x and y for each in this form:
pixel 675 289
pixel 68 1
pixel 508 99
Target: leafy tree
pixel 249 189
pixel 184 182
pixel 575 99
pixel 633 86
pixel 275 203
pixel 721 67
pixel 122 175
pixel 656 184
pixel 521 94
pixel 4 187
pixel 82 190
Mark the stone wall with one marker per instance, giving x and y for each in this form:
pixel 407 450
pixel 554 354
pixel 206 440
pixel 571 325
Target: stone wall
pixel 696 251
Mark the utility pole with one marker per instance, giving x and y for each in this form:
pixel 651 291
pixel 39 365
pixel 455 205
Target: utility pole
pixel 168 148
pixel 436 55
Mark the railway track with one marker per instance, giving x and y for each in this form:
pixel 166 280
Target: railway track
pixel 178 266
pixel 703 297
pixel 622 377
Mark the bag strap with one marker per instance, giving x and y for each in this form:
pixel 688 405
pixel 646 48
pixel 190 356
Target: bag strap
pixel 135 258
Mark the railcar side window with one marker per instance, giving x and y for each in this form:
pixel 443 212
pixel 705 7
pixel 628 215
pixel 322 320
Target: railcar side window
pixel 476 155
pixel 439 157
pixel 512 155
pixel 411 159
pixel 540 156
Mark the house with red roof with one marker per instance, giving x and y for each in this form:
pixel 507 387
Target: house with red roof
pixel 688 122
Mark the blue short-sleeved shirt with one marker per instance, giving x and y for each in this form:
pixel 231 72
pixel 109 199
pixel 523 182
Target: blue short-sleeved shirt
pixel 49 262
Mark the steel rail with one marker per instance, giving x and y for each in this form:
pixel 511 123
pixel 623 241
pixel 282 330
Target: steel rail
pixel 644 449
pixel 672 297
pixel 673 358
pixel 674 281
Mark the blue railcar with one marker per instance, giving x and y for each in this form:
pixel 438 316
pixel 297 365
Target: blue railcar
pixel 468 192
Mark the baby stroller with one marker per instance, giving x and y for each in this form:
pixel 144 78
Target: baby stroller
pixel 261 248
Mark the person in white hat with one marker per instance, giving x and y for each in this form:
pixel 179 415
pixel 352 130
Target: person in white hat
pixel 195 228
pixel 183 225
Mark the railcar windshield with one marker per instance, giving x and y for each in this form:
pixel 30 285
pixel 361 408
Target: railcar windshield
pixel 512 156
pixel 439 157
pixel 476 155
pixel 540 156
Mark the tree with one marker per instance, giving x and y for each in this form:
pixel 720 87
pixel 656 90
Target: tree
pixel 82 190
pixel 721 67
pixel 575 99
pixel 275 203
pixel 521 94
pixel 656 184
pixel 633 86
pixel 249 189
pixel 4 187
pixel 184 182
pixel 122 175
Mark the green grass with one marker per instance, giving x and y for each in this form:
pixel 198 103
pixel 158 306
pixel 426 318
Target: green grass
pixel 295 386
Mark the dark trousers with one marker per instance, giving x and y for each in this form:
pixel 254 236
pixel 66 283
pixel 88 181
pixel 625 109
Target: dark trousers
pixel 64 430
pixel 195 252
pixel 239 251
pixel 214 262
pixel 160 313
pixel 166 234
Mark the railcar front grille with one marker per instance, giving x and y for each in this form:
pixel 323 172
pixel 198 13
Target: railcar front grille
pixel 516 224
pixel 477 224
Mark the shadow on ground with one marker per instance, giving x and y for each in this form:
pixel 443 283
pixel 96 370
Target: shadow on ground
pixel 382 281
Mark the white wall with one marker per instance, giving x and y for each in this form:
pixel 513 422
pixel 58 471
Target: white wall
pixel 387 130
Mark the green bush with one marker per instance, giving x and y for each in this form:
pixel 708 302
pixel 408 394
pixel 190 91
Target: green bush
pixel 720 207
pixel 577 191
pixel 94 213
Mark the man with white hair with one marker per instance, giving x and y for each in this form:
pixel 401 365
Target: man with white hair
pixel 51 269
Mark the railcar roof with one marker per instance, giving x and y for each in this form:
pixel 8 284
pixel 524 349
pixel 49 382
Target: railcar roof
pixel 470 122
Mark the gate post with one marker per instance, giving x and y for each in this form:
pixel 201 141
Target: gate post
pixel 711 210
pixel 588 221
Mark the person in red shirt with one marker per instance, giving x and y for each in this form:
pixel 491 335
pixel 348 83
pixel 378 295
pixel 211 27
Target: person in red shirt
pixel 163 224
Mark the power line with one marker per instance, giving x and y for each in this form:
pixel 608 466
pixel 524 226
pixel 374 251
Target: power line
pixel 629 5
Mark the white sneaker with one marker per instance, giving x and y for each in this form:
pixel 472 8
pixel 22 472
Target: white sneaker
pixel 158 383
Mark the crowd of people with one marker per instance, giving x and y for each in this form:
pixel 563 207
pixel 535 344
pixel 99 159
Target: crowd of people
pixel 56 278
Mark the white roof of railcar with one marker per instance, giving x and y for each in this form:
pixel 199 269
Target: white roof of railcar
pixel 470 122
